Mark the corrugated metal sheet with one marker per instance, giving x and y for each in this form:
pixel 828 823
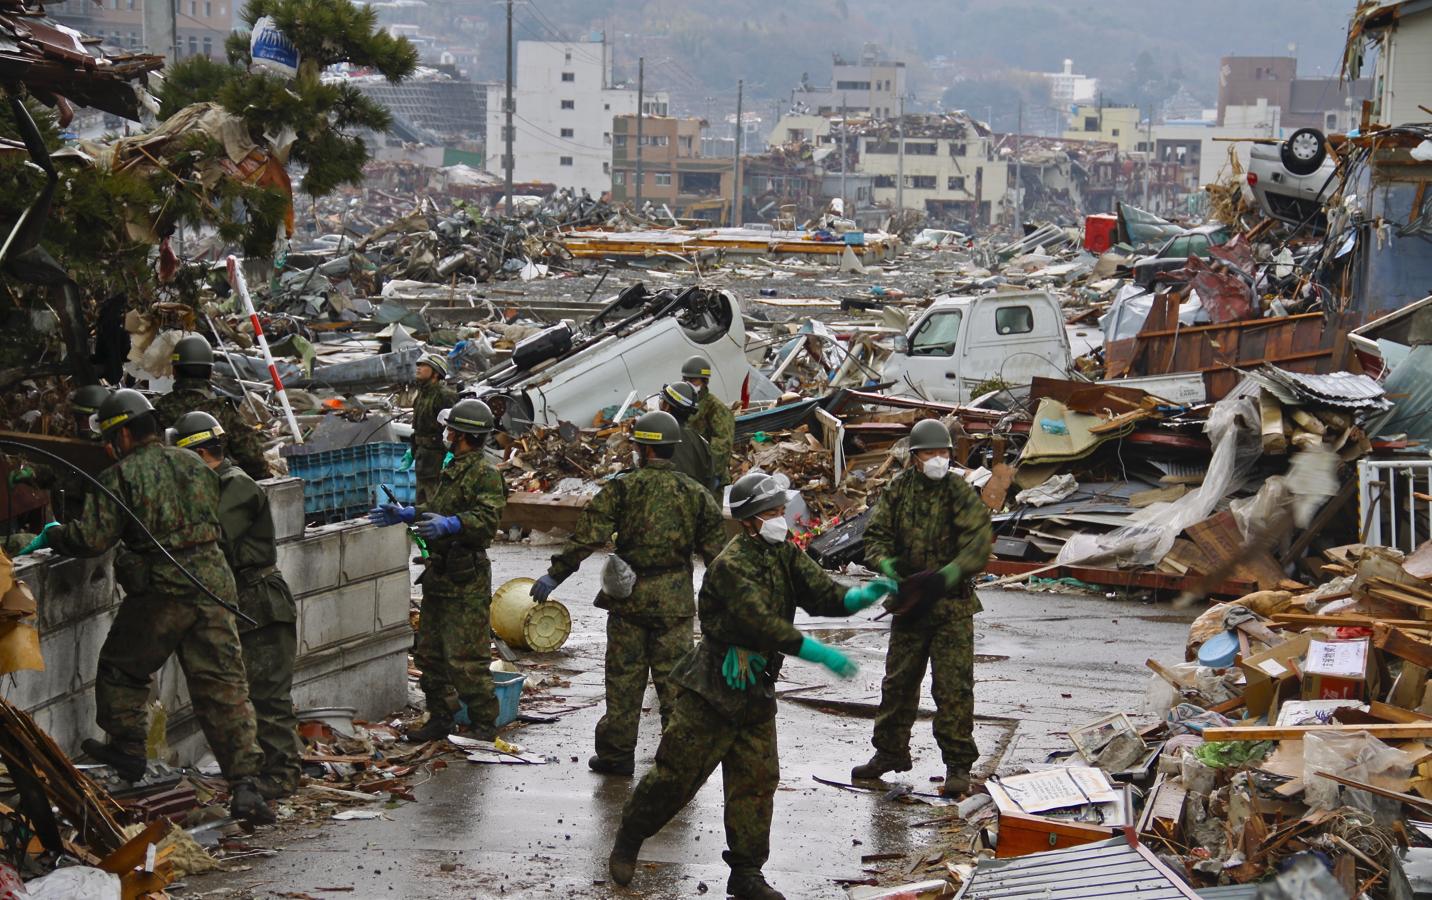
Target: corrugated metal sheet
pixel 1107 869
pixel 1411 384
pixel 1334 388
pixel 1230 892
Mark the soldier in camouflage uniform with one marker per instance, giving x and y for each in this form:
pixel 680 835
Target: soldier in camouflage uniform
pixel 693 455
pixel 930 529
pixel 713 420
pixel 433 397
pixel 660 518
pixel 271 646
pixel 193 361
pixel 454 644
pixel 162 613
pixel 66 488
pixel 725 710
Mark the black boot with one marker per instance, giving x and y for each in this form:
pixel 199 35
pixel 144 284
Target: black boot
pixel 248 806
pixel 610 767
pixel 878 765
pixel 957 782
pixel 748 885
pixel 437 729
pixel 622 861
pixel 125 758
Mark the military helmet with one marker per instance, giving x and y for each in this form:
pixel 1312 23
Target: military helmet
pixel 756 493
pixel 657 428
pixel 193 356
pixel 195 429
pixel 86 400
pixel 437 363
pixel 696 367
pixel 470 416
pixel 120 408
pixel 930 434
pixel 680 395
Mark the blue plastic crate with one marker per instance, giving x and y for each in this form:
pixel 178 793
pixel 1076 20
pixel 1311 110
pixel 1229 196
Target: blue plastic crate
pixel 508 687
pixel 342 484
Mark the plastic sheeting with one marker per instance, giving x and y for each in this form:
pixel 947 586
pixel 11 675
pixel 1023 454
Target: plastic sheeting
pixel 1131 307
pixel 1233 428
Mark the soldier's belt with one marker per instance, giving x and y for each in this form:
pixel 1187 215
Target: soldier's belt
pixel 648 572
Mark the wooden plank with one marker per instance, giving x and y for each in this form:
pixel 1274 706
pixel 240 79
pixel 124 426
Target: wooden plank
pixel 1347 619
pixel 1141 578
pixel 1399 643
pixel 1219 538
pixel 1400 731
pixel 1021 835
pixel 1396 714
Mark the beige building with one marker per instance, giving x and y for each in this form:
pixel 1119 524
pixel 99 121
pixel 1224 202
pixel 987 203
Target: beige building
pixel 949 168
pixel 1112 124
pixel 674 173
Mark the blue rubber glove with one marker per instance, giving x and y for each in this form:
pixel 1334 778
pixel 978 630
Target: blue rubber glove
pixel 391 514
pixel 447 459
pixel 741 666
pixel 406 462
pixel 543 588
pixel 814 651
pixel 866 595
pixel 41 541
pixel 436 525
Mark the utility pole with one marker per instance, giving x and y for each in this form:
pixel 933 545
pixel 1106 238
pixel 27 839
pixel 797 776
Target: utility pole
pixel 900 160
pixel 737 206
pixel 1018 172
pixel 640 101
pixel 843 127
pixel 508 109
pixel 1148 153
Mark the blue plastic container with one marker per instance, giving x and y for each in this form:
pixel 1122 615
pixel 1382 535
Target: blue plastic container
pixel 343 484
pixel 854 238
pixel 508 687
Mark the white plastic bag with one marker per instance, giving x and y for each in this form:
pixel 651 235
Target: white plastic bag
pixel 1361 757
pixel 618 579
pixel 75 883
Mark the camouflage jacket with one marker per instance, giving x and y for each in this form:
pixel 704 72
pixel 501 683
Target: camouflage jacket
pixel 433 397
pixel 176 496
pixel 249 546
pixel 692 458
pixel 471 489
pixel 714 421
pixel 748 600
pixel 928 524
pixel 657 518
pixel 242 442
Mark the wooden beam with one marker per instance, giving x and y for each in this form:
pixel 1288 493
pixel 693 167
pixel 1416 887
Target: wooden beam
pixel 1401 731
pixel 1348 619
pixel 1402 645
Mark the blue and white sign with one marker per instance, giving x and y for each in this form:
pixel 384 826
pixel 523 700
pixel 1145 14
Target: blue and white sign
pixel 272 50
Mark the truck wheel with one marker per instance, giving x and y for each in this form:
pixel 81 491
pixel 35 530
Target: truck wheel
pixel 1304 151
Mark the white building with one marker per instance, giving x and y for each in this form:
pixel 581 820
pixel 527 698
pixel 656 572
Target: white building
pixel 871 86
pixel 1067 88
pixel 949 170
pixel 564 102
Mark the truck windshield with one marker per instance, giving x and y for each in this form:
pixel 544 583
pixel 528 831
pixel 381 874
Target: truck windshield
pixel 937 335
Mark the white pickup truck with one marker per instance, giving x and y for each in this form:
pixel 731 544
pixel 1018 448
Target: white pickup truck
pixel 960 343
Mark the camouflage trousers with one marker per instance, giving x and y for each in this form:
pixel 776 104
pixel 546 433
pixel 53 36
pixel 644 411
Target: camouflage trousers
pixel 147 630
pixel 636 647
pixel 454 653
pixel 947 645
pixel 269 654
pixel 696 740
pixel 428 469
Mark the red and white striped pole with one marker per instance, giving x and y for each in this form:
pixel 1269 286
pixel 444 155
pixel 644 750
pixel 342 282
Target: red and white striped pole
pixel 236 279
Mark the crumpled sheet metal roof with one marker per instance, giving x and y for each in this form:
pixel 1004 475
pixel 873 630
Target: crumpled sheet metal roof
pixel 1333 389
pixel 1109 868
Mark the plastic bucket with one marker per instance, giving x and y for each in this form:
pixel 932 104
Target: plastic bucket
pixel 525 624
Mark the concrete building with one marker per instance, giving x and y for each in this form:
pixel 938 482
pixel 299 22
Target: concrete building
pixel 565 102
pixel 1402 31
pixel 1112 124
pixel 795 128
pixel 201 25
pixel 1067 88
pixel 674 173
pixel 949 168
pixel 1328 104
pixel 871 86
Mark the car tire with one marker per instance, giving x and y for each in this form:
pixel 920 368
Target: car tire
pixel 1304 151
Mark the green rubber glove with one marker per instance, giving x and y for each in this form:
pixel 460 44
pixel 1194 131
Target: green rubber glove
pixel 868 594
pixel 406 462
pixel 22 475
pixel 814 651
pixel 447 459
pixel 952 575
pixel 740 667
pixel 41 541
pixel 887 565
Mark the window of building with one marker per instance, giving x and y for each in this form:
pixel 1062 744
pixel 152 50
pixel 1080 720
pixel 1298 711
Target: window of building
pixel 193 7
pixel 885 181
pixel 1091 123
pixel 920 148
pixel 1013 320
pixel 618 178
pixel 193 45
pixel 606 168
pixel 569 76
pixel 920 182
pixel 209 8
pixel 606 107
pixel 564 161
pixel 956 183
pixel 881 147
pixel 1115 132
pixel 661 178
pixel 685 141
pixel 568 132
pixel 937 335
pixel 852 85
pixel 208 46
pixel 960 149
pixel 607 138
pixel 618 140
pixel 569 104
pixel 569 57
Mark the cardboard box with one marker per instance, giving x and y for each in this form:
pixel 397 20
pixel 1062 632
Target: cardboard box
pixel 1337 670
pixel 1271 676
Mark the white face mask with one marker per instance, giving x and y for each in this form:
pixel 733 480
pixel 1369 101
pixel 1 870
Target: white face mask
pixel 636 458
pixel 936 467
pixel 774 530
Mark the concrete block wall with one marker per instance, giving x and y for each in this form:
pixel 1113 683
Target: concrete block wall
pixel 351 582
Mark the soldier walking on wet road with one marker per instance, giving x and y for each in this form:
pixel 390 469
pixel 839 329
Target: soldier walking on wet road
pixel 659 517
pixel 930 530
pixel 459 520
pixel 725 708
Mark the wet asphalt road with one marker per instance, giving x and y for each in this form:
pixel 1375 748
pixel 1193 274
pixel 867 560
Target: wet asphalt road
pixel 1045 662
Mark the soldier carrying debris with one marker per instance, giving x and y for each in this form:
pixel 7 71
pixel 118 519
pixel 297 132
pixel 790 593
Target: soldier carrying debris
pixel 713 420
pixel 930 530
pixel 660 517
